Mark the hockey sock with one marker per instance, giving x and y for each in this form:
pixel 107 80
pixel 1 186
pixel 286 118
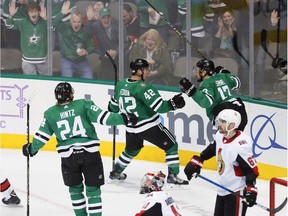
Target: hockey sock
pixel 94 200
pixel 78 200
pixel 6 188
pixel 172 159
pixel 125 158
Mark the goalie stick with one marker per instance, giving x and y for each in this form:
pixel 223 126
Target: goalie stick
pixel 175 29
pixel 114 127
pixel 271 210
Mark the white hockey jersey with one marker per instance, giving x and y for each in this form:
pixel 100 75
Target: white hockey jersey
pixel 168 207
pixel 230 174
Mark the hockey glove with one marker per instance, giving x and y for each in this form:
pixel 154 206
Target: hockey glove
pixel 130 118
pixel 177 102
pixel 250 194
pixel 26 150
pixel 187 87
pixel 193 166
pixel 220 69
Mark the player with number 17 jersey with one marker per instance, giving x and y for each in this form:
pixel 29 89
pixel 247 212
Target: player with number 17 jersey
pixel 215 90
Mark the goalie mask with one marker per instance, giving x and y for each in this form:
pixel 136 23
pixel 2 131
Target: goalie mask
pixel 64 92
pixel 152 182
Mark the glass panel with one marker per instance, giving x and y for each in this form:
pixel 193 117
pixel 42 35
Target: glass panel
pixel 247 38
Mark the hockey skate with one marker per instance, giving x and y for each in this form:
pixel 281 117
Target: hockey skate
pixel 116 176
pixel 13 200
pixel 174 179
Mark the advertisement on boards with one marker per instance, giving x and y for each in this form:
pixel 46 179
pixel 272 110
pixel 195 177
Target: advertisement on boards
pixel 267 125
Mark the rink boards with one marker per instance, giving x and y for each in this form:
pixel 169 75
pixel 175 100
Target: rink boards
pixel 267 122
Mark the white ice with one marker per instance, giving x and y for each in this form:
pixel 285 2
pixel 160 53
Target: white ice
pixel 49 196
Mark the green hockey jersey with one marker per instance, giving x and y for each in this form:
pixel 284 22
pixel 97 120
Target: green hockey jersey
pixel 72 125
pixel 142 99
pixel 33 38
pixel 215 90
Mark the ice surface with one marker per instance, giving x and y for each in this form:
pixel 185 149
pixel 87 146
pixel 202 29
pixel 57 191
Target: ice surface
pixel 49 196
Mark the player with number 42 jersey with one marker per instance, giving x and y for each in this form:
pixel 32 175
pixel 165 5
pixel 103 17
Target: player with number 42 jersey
pixel 135 95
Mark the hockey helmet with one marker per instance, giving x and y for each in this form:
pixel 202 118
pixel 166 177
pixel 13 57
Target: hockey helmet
pixel 152 182
pixel 138 64
pixel 64 92
pixel 229 116
pixel 205 64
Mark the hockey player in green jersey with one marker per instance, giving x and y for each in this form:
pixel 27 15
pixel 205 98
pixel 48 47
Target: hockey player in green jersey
pixel 214 94
pixel 135 95
pixel 78 145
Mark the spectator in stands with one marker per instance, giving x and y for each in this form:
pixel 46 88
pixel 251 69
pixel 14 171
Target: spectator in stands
pixel 107 34
pixel 201 18
pixel 131 23
pixel 263 19
pixel 75 44
pixel 21 11
pixel 151 47
pixel 92 12
pixel 150 19
pixel 33 36
pixel 56 7
pixel 223 38
pixel 12 37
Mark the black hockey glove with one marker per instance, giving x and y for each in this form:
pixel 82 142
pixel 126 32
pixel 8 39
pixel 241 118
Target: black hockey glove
pixel 177 102
pixel 187 87
pixel 130 118
pixel 250 194
pixel 26 150
pixel 193 166
pixel 220 69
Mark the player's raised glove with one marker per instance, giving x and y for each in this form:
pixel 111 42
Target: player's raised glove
pixel 130 118
pixel 250 194
pixel 193 166
pixel 26 150
pixel 187 87
pixel 177 102
pixel 220 69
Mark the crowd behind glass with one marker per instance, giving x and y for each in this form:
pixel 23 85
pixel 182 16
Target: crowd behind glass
pixel 73 38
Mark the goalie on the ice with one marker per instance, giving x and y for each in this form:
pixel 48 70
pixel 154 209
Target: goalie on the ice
pixel 157 202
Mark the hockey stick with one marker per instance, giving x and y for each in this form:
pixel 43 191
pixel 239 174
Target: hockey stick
pixel 271 210
pixel 28 159
pixel 264 43
pixel 28 141
pixel 175 29
pixel 114 127
pixel 235 46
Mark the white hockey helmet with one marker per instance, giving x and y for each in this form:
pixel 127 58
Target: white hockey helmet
pixel 152 181
pixel 229 116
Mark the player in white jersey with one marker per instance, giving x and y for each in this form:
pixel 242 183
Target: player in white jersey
pixel 236 167
pixel 10 197
pixel 157 202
